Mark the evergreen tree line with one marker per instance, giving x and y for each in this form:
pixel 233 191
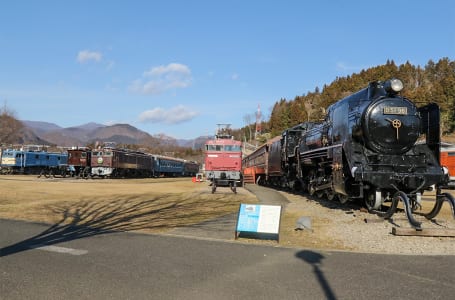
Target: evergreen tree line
pixel 433 83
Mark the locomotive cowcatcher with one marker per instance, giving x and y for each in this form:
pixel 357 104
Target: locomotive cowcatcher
pixel 223 159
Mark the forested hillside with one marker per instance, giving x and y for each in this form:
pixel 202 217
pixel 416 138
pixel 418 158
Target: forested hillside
pixel 433 83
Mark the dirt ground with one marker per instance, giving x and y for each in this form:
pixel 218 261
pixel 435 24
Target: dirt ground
pixel 161 205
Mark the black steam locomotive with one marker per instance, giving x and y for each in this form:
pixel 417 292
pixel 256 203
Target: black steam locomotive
pixel 375 146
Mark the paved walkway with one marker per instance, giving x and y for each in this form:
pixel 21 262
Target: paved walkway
pixel 223 228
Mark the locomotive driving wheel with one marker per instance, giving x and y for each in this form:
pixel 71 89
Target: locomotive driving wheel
pixel 330 194
pixel 311 189
pixel 234 188
pixel 343 198
pixel 86 173
pixel 373 201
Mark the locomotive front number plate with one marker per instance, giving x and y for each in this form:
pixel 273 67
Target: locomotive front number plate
pixel 395 110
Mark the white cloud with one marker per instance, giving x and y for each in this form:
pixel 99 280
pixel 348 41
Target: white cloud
pixel 86 55
pixel 112 122
pixel 162 78
pixel 175 115
pixel 169 69
pixel 235 76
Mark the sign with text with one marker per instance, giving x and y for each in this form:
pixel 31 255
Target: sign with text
pixel 256 218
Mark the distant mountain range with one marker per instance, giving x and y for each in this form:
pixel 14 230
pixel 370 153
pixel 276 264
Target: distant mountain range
pixel 37 132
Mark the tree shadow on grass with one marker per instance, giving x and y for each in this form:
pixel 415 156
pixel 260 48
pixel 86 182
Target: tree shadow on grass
pixel 88 218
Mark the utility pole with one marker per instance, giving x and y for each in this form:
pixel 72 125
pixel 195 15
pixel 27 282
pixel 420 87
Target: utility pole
pixel 258 122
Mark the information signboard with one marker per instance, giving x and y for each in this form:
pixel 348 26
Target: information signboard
pixel 259 219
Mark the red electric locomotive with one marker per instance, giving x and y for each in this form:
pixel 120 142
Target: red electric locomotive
pixel 223 159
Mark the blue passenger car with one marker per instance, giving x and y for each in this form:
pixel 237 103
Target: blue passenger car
pixel 164 166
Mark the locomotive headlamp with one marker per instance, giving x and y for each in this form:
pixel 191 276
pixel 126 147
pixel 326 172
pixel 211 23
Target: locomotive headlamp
pixel 393 85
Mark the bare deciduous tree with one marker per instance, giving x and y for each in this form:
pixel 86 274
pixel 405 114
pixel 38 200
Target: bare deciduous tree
pixel 10 127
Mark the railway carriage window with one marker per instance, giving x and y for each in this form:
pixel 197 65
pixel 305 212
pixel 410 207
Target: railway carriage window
pixel 36 156
pixel 232 148
pixel 451 153
pixel 108 153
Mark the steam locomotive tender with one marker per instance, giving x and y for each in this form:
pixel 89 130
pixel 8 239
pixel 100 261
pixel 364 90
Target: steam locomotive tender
pixel 374 146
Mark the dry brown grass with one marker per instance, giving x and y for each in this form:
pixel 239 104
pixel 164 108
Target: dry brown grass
pixel 147 205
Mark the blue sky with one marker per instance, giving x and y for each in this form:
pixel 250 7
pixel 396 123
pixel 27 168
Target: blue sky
pixel 181 67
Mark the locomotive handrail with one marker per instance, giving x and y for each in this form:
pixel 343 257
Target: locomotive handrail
pixel 320 149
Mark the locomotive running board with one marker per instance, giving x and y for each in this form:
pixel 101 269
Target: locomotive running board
pixel 433 232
